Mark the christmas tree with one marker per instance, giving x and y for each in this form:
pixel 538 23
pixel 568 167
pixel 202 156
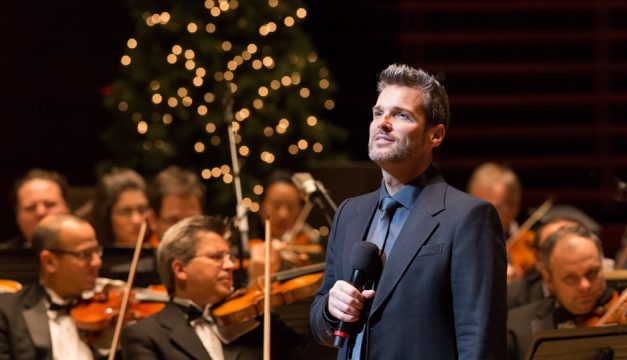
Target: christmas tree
pixel 186 58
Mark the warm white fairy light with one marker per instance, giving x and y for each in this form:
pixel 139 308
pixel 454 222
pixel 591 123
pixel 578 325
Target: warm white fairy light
pixel 167 119
pixel 210 128
pixel 209 97
pixel 210 28
pixel 122 106
pixel 199 147
pixel 205 174
pixel 215 140
pixel 192 28
pixel 142 127
pixel 171 59
pixel 329 104
pixel 317 147
pixel 215 172
pixel 157 99
pixel 304 93
pixel 125 60
pixel 131 43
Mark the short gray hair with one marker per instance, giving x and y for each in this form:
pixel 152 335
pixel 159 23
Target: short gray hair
pixel 180 242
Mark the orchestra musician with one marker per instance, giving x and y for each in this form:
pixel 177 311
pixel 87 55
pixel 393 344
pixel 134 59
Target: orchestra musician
pixel 572 269
pixel 499 185
pixel 195 266
pixel 35 195
pixel 532 287
pixel 34 322
pixel 119 207
pixel 174 195
pixel 281 204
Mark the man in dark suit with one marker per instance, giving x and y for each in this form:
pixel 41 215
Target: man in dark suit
pixel 34 322
pixel 441 293
pixel 572 269
pixel 35 195
pixel 195 266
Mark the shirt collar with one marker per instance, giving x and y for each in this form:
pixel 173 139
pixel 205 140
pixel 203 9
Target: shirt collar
pixel 409 193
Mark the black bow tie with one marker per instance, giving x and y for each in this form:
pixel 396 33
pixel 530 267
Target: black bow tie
pixel 61 308
pixel 193 313
pixel 561 315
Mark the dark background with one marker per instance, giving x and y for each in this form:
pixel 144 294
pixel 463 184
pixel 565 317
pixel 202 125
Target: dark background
pixel 539 86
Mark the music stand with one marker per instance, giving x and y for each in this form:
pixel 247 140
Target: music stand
pixel 599 343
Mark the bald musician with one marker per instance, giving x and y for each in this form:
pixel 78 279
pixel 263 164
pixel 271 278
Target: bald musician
pixel 572 269
pixel 34 322
pixel 194 264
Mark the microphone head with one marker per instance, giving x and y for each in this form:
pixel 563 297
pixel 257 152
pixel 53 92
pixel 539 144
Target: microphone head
pixel 365 256
pixel 304 182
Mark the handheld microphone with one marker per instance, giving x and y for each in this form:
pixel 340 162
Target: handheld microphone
pixel 365 261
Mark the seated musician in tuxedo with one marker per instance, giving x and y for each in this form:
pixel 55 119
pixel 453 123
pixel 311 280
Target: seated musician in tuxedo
pixel 572 269
pixel 532 287
pixel 35 195
pixel 194 263
pixel 174 194
pixel 34 322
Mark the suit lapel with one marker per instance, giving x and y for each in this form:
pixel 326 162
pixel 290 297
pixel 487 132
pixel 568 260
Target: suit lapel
pixel 421 221
pixel 36 318
pixel 181 333
pixel 357 229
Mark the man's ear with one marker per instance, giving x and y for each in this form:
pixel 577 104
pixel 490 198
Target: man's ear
pixel 548 280
pixel 48 261
pixel 436 134
pixel 178 269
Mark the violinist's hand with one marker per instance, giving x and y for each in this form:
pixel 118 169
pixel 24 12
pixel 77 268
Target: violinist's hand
pixel 346 302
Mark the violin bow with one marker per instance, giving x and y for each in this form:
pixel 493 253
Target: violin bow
pixel 127 291
pixel 613 309
pixel 267 293
pixel 535 216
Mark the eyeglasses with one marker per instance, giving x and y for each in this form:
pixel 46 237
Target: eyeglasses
pixel 128 211
pixel 85 255
pixel 218 257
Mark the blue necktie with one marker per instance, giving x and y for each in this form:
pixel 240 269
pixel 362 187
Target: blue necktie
pixel 380 236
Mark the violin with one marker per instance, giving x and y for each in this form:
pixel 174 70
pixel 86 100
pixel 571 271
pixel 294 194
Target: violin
pixel 98 312
pixel 520 245
pixel 9 286
pixel 287 287
pixel 614 312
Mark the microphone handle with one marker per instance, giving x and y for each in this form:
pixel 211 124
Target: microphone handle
pixel 358 279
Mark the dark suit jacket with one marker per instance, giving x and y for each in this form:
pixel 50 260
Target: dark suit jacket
pixel 523 322
pixel 24 331
pixel 526 290
pixel 168 335
pixel 442 291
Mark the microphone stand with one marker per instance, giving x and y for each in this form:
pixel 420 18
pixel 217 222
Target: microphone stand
pixel 329 201
pixel 242 219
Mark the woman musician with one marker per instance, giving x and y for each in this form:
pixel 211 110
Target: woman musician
pixel 295 244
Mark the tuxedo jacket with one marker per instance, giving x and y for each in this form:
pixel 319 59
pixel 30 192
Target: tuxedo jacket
pixel 526 290
pixel 168 335
pixel 442 291
pixel 24 331
pixel 524 321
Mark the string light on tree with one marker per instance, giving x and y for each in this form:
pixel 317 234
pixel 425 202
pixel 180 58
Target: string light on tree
pixel 177 68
